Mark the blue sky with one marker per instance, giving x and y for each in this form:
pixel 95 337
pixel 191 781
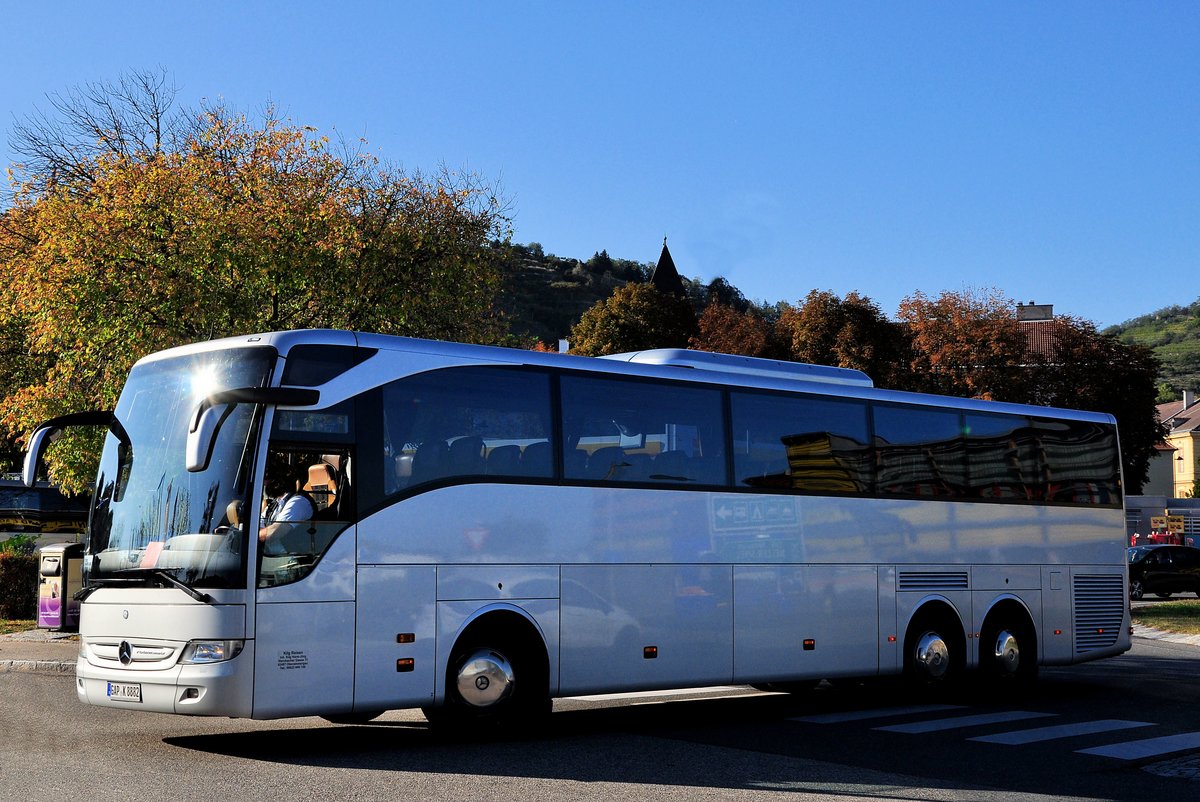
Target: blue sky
pixel 1051 150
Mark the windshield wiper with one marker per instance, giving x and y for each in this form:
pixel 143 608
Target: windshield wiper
pixel 186 588
pixel 140 575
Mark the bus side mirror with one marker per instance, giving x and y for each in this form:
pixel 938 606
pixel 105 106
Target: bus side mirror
pixel 42 437
pixel 46 433
pixel 202 434
pixel 212 411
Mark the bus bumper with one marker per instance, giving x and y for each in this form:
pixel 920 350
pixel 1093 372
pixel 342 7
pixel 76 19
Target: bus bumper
pixel 214 689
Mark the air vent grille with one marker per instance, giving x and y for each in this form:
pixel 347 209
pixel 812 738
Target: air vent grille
pixel 933 580
pixel 1099 611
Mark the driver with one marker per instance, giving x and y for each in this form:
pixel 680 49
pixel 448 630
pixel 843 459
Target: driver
pixel 284 503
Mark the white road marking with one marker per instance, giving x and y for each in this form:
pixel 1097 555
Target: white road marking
pixel 880 712
pixel 1136 750
pixel 938 725
pixel 1037 734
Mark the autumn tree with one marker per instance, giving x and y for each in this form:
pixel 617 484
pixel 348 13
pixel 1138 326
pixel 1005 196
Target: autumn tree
pixel 972 344
pixel 966 344
pixel 726 330
pixel 848 332
pixel 134 227
pixel 634 318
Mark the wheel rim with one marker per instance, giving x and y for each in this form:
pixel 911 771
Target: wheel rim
pixel 932 657
pixel 1135 589
pixel 485 678
pixel 1007 652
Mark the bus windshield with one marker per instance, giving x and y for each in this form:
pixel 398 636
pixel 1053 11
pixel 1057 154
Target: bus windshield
pixel 154 517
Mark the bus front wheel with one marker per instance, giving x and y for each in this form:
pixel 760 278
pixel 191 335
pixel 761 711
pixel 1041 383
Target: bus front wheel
pixel 503 686
pixel 933 650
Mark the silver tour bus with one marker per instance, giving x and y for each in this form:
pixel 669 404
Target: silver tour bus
pixel 476 530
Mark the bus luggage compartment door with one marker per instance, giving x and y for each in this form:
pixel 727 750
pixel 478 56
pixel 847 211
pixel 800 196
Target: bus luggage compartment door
pixel 396 637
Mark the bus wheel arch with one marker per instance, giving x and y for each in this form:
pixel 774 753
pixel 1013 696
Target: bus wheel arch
pixel 935 647
pixel 1008 644
pixel 498 673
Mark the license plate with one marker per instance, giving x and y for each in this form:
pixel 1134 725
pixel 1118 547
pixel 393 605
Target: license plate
pixel 125 691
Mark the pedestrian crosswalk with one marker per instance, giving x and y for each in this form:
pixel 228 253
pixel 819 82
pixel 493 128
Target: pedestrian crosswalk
pixel 936 718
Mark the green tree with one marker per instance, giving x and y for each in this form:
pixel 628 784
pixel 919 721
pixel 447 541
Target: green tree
pixel 133 228
pixel 634 318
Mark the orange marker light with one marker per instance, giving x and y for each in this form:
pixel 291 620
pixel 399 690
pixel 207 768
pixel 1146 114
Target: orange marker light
pixel 650 652
pixel 405 664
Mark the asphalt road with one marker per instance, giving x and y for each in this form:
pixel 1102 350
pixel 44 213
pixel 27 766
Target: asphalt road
pixel 844 741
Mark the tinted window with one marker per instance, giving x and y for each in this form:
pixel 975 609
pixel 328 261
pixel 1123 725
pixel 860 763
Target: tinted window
pixel 1031 459
pixel 1000 457
pixel 466 422
pixel 1082 461
pixel 312 365
pixel 919 451
pixel 641 432
pixel 800 443
pixel 1187 558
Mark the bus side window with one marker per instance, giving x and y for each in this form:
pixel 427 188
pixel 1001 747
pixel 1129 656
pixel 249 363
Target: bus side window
pixel 808 443
pixel 919 451
pixel 466 424
pixel 642 432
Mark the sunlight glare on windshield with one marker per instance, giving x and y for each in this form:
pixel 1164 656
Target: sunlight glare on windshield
pixel 204 381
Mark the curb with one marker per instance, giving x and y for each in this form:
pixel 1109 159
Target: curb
pixel 51 667
pixel 1150 633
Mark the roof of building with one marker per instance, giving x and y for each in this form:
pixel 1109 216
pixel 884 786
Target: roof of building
pixel 1040 339
pixel 1179 418
pixel 665 277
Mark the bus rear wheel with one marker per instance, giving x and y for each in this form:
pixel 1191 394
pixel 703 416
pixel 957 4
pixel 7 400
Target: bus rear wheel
pixel 1008 651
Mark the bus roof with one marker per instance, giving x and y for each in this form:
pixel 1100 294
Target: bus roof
pixel 670 363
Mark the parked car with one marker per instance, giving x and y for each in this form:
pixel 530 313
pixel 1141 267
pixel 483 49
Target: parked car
pixel 1163 570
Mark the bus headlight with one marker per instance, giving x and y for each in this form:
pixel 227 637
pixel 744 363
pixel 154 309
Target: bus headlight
pixel 211 651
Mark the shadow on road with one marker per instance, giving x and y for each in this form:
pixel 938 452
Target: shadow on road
pixel 744 744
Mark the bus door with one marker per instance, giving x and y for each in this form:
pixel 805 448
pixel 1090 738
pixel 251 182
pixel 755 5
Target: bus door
pixel 305 610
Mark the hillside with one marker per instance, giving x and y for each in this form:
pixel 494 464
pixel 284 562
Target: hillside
pixel 544 295
pixel 1173 333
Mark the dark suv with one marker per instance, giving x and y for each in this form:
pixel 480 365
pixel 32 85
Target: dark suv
pixel 1163 570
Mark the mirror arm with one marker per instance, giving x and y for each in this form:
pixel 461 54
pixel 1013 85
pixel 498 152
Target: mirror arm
pixel 48 432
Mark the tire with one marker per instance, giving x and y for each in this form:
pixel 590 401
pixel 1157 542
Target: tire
pixel 1163 595
pixel 497 688
pixel 1136 589
pixel 1008 652
pixel 934 651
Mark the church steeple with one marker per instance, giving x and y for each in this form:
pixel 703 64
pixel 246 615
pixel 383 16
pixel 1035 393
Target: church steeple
pixel 665 277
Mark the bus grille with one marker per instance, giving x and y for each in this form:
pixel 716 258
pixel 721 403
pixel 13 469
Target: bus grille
pixel 932 580
pixel 1099 611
